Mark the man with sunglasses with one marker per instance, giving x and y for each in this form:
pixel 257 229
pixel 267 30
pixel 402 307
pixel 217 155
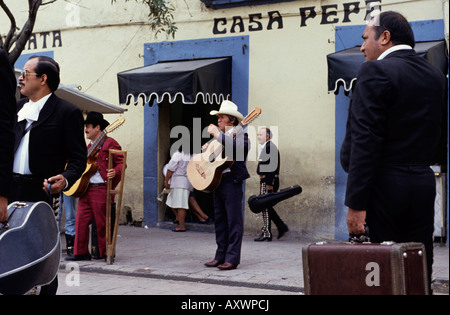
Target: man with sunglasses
pixel 50 151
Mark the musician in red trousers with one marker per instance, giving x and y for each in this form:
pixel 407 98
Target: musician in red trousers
pixel 92 205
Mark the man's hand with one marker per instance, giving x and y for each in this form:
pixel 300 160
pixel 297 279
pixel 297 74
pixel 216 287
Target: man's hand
pixel 111 173
pixel 356 219
pixel 3 208
pixel 58 184
pixel 214 130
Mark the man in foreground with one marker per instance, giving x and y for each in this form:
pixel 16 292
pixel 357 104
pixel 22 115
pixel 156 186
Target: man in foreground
pixel 392 137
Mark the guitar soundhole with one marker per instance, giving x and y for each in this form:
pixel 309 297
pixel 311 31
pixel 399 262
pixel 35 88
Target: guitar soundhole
pixel 212 158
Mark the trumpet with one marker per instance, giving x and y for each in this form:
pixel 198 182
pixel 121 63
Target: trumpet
pixel 164 192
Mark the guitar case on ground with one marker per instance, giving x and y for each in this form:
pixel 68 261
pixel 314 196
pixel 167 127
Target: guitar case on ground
pixel 30 249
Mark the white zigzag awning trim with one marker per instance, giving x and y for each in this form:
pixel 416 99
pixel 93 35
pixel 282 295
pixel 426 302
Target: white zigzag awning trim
pixel 208 98
pixel 342 82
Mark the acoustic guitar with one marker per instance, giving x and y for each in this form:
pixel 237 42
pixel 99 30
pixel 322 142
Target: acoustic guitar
pixel 79 188
pixel 204 170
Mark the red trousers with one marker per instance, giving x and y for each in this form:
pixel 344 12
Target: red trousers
pixel 91 206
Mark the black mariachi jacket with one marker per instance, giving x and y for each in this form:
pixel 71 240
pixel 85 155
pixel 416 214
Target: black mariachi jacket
pixel 269 164
pixel 237 147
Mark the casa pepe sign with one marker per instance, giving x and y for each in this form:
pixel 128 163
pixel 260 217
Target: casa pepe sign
pixel 324 14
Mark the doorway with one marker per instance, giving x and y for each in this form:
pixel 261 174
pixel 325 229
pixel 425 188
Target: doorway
pixel 193 119
pixel 237 48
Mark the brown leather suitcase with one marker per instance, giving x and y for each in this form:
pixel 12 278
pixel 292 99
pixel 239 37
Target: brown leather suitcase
pixel 365 269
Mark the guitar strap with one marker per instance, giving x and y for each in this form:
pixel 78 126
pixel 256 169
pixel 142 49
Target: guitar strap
pixel 100 146
pixel 233 135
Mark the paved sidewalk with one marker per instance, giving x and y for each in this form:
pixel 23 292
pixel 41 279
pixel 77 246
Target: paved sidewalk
pixel 163 254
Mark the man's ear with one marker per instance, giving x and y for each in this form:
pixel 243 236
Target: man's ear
pixel 44 79
pixel 385 37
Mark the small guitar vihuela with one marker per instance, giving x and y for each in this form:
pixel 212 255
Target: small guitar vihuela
pixel 205 169
pixel 79 188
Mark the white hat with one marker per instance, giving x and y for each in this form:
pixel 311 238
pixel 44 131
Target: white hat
pixel 228 108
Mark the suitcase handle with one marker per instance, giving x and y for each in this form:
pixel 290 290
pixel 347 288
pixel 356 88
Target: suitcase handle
pixel 362 238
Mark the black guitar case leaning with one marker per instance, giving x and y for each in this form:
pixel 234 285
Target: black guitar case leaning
pixel 258 203
pixel 30 249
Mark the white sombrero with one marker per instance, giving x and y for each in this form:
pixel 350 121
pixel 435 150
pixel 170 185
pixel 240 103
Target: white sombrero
pixel 228 108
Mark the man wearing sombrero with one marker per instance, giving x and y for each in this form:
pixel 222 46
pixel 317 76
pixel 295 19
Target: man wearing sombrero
pixel 229 223
pixel 92 204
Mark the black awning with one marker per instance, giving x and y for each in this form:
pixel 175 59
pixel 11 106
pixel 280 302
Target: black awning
pixel 86 102
pixel 208 78
pixel 343 66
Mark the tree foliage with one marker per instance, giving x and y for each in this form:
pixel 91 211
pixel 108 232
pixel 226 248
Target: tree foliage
pixel 15 40
pixel 160 16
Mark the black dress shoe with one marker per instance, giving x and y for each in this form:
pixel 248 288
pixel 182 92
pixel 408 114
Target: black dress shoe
pixel 69 244
pixel 227 266
pixel 78 257
pixel 263 238
pixel 207 221
pixel 282 232
pixel 213 263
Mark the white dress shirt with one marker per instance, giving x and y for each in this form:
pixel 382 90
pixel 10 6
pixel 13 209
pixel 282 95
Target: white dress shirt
pixel 29 112
pixel 261 148
pixel 392 49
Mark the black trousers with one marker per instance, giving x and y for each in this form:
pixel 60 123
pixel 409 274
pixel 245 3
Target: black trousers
pixel 269 214
pixel 27 188
pixel 402 207
pixel 228 220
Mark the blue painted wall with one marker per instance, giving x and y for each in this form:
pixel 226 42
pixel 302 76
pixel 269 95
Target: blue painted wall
pixel 348 37
pixel 23 58
pixel 235 47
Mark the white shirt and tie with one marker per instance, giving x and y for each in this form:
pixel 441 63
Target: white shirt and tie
pixel 261 148
pixel 29 112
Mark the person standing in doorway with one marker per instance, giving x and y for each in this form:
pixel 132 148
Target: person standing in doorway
pixel 180 188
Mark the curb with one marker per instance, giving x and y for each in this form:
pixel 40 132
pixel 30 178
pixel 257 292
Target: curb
pixel 440 286
pixel 149 275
